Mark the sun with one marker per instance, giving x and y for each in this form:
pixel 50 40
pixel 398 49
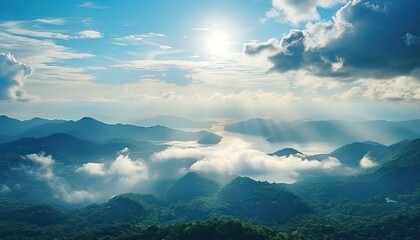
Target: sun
pixel 218 43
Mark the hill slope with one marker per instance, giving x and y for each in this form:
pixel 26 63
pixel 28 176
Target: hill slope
pixel 261 201
pixel 191 186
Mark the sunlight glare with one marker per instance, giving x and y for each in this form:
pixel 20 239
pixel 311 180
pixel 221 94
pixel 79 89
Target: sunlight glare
pixel 218 43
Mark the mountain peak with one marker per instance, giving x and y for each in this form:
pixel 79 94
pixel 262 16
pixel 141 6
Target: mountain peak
pixel 191 186
pixel 286 152
pixel 87 119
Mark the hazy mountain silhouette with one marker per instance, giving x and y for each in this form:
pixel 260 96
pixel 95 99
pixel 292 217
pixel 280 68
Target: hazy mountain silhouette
pixel 285 152
pixel 67 148
pixel 210 139
pixel 396 173
pixel 91 129
pixel 351 154
pixel 174 122
pixel 329 131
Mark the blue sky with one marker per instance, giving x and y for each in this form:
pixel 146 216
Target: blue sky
pixel 126 60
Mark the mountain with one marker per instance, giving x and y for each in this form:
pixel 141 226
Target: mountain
pixel 10 127
pixel 400 169
pixel 210 139
pixel 351 154
pixel 191 186
pixel 254 126
pixel 175 122
pixel 94 130
pixel 41 215
pixel 67 148
pixel 396 174
pixel 329 131
pixel 261 201
pixel 285 152
pixel 119 209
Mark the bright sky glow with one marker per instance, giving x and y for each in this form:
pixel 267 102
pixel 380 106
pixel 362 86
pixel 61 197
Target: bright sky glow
pixel 218 43
pixel 120 61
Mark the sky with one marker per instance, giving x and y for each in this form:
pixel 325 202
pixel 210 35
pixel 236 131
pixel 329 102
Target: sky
pixel 120 61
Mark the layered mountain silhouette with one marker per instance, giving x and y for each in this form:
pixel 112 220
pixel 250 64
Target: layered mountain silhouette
pixel 385 132
pixel 351 154
pixel 69 149
pixel 397 173
pixel 94 130
pixel 174 122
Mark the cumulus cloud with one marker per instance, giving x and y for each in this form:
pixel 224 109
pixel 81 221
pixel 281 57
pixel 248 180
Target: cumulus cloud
pixel 367 162
pixel 363 40
pixel 123 168
pixel 41 159
pixel 295 12
pixel 405 89
pixel 13 75
pixel 95 169
pixel 247 162
pixel 255 47
pixel 90 34
pixel 61 189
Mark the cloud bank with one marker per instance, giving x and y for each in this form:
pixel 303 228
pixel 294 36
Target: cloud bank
pixel 13 75
pixel 295 12
pixel 125 170
pixel 44 171
pixel 247 162
pixel 367 162
pixel 365 39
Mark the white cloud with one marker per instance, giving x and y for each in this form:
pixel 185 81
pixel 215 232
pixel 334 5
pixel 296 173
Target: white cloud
pixel 95 169
pixel 52 21
pixel 60 188
pixel 13 75
pixel 90 34
pixel 64 192
pixel 21 28
pixel 91 5
pixel 295 12
pixel 361 41
pixel 406 89
pixel 41 159
pixel 165 47
pixel 246 162
pixel 148 39
pixel 367 162
pixel 123 168
pixel 27 28
pixel 43 55
pixel 201 29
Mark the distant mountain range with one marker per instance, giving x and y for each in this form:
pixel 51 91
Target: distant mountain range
pixel 174 122
pixel 91 129
pixel 397 173
pixel 71 150
pixel 351 154
pixel 385 132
